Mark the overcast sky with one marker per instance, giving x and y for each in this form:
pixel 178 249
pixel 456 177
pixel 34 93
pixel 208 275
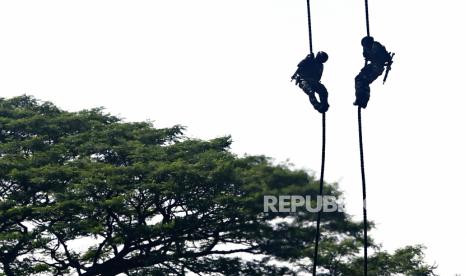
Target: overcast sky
pixel 223 67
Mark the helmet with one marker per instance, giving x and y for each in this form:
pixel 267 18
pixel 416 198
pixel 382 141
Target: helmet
pixel 321 57
pixel 367 41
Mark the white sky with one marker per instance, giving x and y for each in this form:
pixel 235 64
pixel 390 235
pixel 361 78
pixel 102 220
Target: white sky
pixel 223 67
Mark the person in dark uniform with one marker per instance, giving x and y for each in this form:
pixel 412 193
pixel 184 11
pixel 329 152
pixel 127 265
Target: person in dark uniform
pixel 308 76
pixel 376 58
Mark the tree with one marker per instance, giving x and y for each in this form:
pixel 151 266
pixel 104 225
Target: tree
pixel 84 193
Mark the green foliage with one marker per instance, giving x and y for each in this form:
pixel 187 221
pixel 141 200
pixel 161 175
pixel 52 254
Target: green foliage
pixel 86 193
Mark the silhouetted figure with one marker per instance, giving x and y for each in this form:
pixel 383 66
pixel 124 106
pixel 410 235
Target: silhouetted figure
pixel 376 58
pixel 308 76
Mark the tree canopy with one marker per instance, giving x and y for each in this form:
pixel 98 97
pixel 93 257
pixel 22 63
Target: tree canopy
pixel 86 193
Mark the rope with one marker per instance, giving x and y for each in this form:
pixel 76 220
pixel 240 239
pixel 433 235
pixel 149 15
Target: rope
pixel 318 221
pixel 323 152
pixel 362 167
pixel 309 27
pixel 367 18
